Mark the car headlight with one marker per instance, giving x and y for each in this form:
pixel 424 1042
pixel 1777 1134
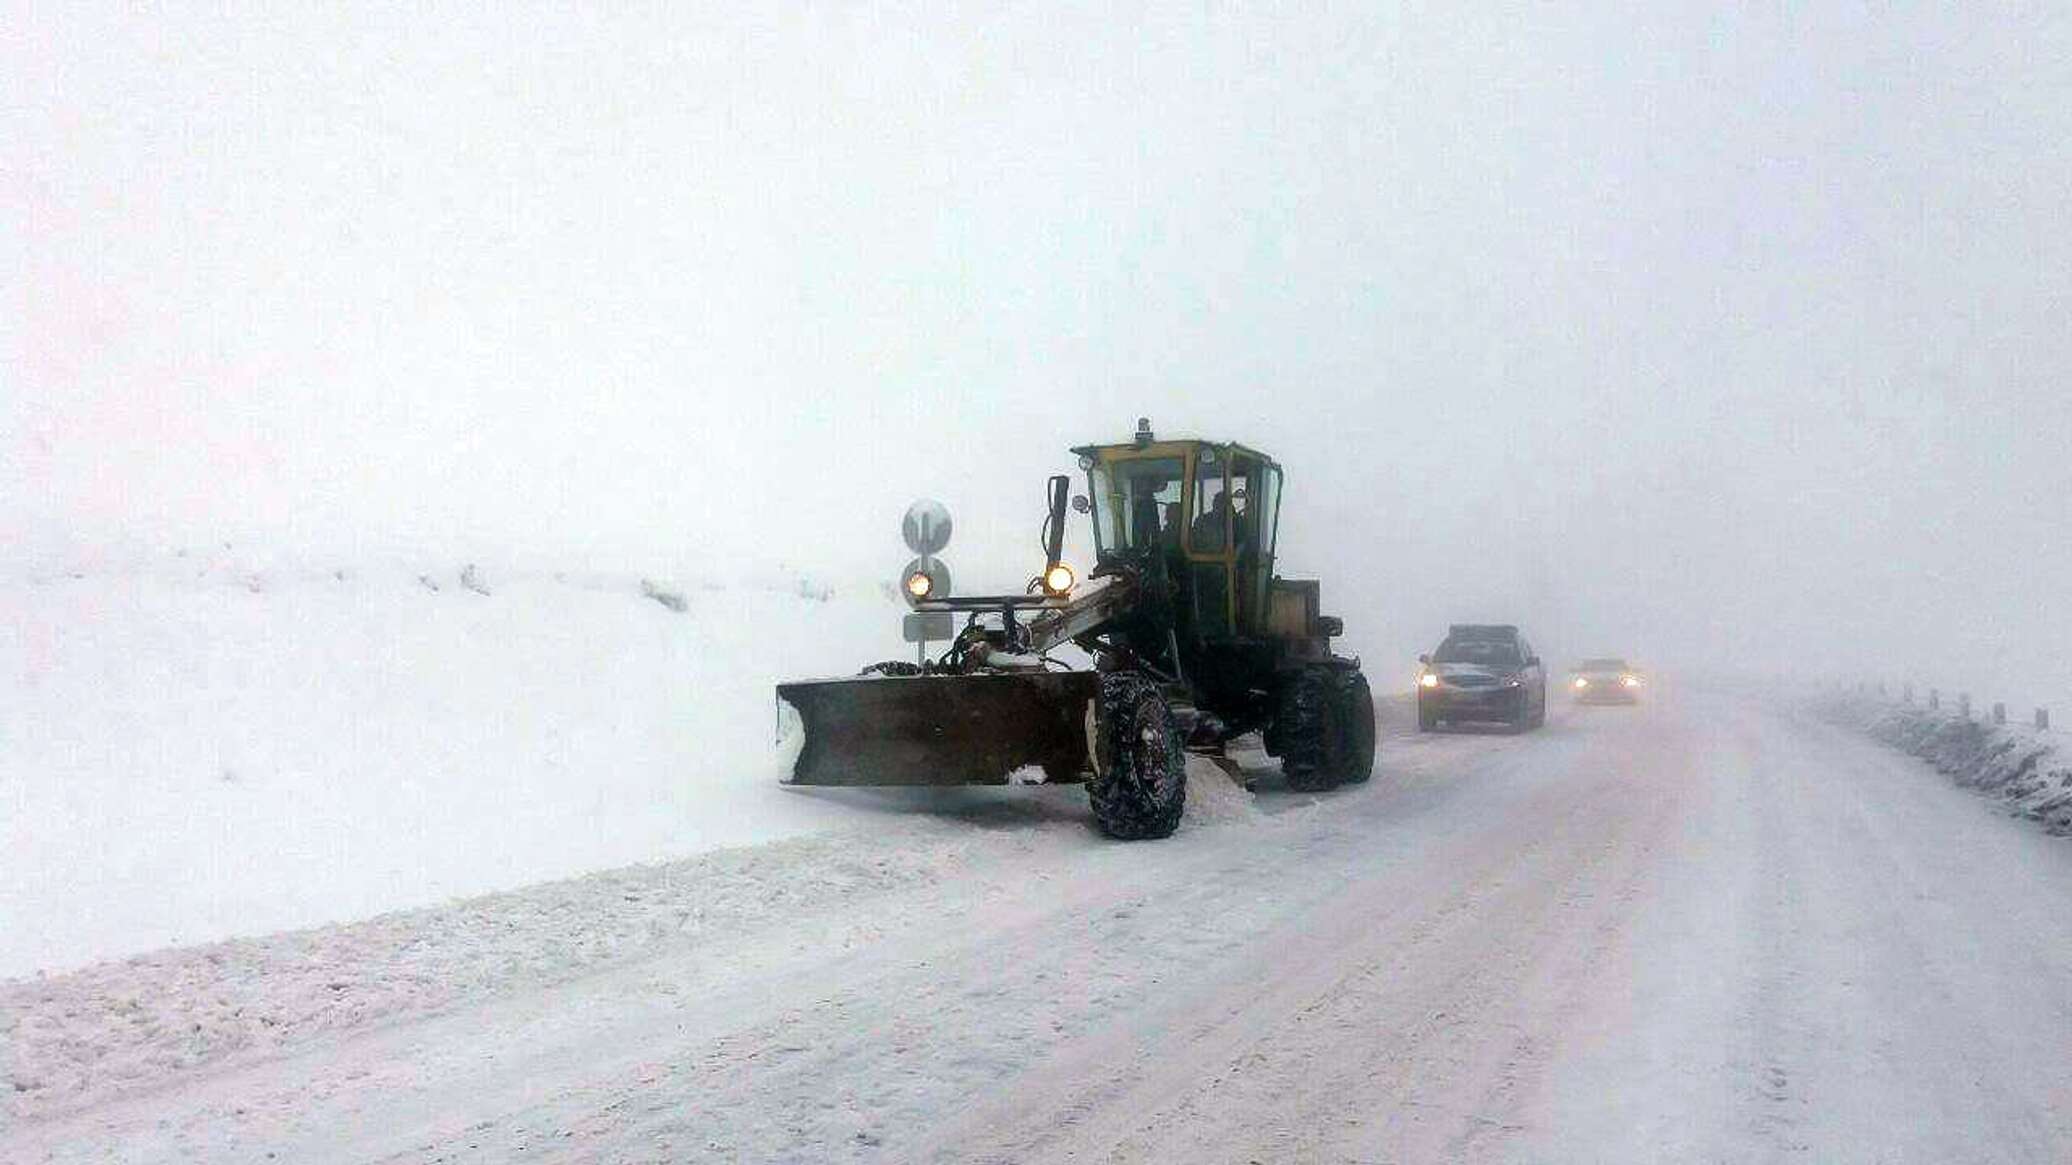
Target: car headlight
pixel 1630 681
pixel 1058 579
pixel 918 584
pixel 1513 682
pixel 1582 681
pixel 1428 680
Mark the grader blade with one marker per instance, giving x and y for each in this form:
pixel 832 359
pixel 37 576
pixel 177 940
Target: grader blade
pixel 983 729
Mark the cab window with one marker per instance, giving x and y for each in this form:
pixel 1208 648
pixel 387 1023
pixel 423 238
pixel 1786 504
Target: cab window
pixel 1254 496
pixel 1258 507
pixel 1209 526
pixel 1137 502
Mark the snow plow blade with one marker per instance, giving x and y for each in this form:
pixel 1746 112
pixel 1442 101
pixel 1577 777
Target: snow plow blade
pixel 978 729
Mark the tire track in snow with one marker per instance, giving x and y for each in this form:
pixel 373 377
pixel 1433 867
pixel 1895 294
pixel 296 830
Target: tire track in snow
pixel 1366 1002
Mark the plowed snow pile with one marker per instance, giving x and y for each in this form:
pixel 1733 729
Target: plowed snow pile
pixel 75 1038
pixel 2027 768
pixel 202 746
pixel 1214 798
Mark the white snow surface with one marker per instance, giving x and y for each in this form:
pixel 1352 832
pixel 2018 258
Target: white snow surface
pixel 118 1026
pixel 214 744
pixel 215 765
pixel 2029 769
pixel 1704 929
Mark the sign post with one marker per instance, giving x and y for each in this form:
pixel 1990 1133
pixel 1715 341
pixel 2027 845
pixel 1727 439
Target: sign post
pixel 926 528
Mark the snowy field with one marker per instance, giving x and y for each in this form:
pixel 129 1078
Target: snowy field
pixel 199 746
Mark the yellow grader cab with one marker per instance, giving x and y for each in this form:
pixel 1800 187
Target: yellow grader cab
pixel 1193 640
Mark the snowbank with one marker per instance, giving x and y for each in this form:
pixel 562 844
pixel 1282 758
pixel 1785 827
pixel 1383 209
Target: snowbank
pixel 2027 768
pixel 191 749
pixel 116 1027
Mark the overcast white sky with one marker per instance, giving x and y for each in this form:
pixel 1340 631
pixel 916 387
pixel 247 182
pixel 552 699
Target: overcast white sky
pixel 1737 334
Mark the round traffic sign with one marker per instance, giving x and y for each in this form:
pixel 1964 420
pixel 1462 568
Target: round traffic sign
pixel 937 573
pixel 926 527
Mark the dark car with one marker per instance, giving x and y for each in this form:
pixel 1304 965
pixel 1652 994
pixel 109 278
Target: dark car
pixel 1605 681
pixel 1484 672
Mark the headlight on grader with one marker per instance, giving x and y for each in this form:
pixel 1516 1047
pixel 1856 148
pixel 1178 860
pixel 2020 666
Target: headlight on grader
pixel 1058 579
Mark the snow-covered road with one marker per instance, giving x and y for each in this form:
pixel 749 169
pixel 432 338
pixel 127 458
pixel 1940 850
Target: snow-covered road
pixel 1701 930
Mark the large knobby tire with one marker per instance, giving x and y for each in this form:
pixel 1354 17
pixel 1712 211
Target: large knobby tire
pixel 1300 726
pixel 1139 785
pixel 1356 728
pixel 1325 729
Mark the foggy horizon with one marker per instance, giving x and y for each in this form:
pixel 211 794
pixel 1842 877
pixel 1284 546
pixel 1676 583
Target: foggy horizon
pixel 1729 341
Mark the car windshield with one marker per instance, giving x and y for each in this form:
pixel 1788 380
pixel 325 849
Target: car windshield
pixel 1487 652
pixel 1603 665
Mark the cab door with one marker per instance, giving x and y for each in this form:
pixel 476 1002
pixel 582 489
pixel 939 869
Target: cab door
pixel 1255 485
pixel 1210 536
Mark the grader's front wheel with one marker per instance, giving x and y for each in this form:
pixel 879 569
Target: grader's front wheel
pixel 1139 785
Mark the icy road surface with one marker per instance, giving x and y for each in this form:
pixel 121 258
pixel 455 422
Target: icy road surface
pixel 1707 931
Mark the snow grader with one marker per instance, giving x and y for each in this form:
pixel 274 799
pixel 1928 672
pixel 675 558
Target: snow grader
pixel 1186 639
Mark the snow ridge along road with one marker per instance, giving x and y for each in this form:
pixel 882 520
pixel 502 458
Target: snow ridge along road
pixel 204 748
pixel 2025 767
pixel 1699 930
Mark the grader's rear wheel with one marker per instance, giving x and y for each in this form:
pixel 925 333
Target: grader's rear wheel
pixel 1325 729
pixel 1356 728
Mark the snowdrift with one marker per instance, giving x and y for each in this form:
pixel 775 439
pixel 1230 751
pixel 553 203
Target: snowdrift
pixel 116 1027
pixel 2028 769
pixel 195 749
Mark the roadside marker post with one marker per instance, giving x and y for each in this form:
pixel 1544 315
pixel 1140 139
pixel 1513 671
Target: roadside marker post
pixel 926 529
